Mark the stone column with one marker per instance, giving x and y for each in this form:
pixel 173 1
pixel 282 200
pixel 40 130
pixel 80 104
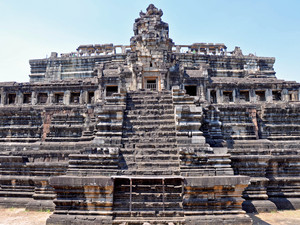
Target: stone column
pixel 33 98
pixel 219 95
pixel 51 98
pixel 252 96
pixel 139 81
pixel 123 49
pixel 67 96
pixel 3 98
pixel 162 81
pixel 269 96
pixel 48 98
pixel 234 95
pixel 85 97
pixel 98 94
pixel 81 100
pixel 19 98
pixel 201 93
pixel 285 95
pixel 208 95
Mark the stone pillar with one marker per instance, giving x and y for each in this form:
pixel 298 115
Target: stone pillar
pixel 67 97
pixel 207 51
pixel 139 81
pixel 178 49
pixel 234 95
pixel 162 82
pixel 51 98
pixel 298 95
pixel 81 100
pixel 201 93
pixel 269 95
pixel 19 98
pixel 33 98
pixel 285 95
pixel 208 95
pixel 123 49
pixel 98 94
pixel 48 98
pixel 85 97
pixel 219 95
pixel 252 96
pixel 3 98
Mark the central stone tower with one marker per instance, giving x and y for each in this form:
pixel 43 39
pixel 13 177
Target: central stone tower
pixel 152 47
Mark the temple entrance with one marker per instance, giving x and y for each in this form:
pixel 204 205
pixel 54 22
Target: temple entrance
pixel 151 84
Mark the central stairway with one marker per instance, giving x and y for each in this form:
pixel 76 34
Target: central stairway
pixel 149 135
pixel 149 188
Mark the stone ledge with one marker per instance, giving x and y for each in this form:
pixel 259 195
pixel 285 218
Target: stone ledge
pixel 216 181
pixel 81 181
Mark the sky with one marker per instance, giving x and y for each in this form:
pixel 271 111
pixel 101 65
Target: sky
pixel 32 29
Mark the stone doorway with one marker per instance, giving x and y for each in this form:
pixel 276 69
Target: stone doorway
pixel 151 84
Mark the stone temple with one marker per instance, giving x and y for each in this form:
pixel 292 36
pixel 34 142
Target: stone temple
pixel 150 133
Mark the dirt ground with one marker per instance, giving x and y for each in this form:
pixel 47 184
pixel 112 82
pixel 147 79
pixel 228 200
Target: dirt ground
pixel 16 216
pixel 287 217
pixel 19 216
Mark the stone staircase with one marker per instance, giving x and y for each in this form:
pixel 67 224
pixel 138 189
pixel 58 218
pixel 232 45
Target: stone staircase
pixel 66 127
pixel 281 122
pixel 237 123
pixel 20 124
pixel 149 135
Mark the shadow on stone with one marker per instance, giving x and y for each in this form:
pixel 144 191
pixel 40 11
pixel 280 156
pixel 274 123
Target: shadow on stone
pixel 283 203
pixel 256 220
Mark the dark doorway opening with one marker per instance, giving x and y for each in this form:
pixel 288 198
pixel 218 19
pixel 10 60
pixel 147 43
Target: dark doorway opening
pixel 110 90
pixel 191 90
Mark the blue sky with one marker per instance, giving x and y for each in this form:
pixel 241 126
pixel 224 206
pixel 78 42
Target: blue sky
pixel 33 29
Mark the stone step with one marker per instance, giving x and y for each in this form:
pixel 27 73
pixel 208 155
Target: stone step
pixel 156 158
pixel 152 172
pixel 150 205
pixel 144 140
pixel 155 145
pixel 156 121
pixel 142 134
pixel 151 219
pixel 150 112
pixel 146 107
pixel 150 100
pixel 20 193
pixel 150 117
pixel 148 128
pixel 159 165
pixel 93 166
pixel 150 151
